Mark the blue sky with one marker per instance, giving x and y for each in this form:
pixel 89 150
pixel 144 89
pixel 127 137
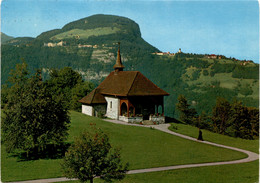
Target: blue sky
pixel 230 28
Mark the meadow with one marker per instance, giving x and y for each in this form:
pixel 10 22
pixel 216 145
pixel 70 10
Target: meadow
pixel 84 34
pixel 237 173
pixel 141 147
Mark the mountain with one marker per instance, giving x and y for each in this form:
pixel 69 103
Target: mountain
pixel 19 41
pixel 96 25
pixel 5 37
pixel 89 45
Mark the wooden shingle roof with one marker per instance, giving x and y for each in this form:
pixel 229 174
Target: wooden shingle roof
pixel 94 97
pixel 123 83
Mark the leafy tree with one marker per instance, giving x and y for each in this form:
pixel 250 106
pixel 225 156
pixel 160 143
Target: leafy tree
pixel 183 107
pixel 91 156
pixel 64 78
pixel 246 90
pixel 79 91
pixel 4 93
pixel 68 85
pixel 212 73
pixel 187 114
pixel 195 75
pixel 32 118
pixel 240 121
pixel 254 120
pixel 244 72
pixel 205 72
pixel 202 121
pixel 220 115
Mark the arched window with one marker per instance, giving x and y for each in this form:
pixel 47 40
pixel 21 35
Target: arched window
pixel 110 104
pixel 123 109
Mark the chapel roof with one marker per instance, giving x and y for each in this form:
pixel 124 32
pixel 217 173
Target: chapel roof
pixel 129 83
pixel 124 84
pixel 94 97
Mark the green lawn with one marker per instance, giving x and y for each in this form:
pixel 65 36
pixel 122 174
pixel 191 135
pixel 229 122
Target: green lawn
pixel 141 147
pixel 251 145
pixel 240 173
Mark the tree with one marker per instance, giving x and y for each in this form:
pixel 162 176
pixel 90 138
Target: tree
pixel 202 121
pixel 91 156
pixel 68 85
pixel 240 121
pixel 220 115
pixel 65 78
pixel 4 94
pixel 187 114
pixel 254 116
pixel 79 91
pixel 33 119
pixel 246 90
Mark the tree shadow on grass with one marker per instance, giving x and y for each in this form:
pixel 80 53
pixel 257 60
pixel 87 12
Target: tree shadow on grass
pixel 50 152
pixel 171 120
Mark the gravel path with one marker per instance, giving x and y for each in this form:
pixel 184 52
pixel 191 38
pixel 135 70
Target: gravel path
pixel 164 127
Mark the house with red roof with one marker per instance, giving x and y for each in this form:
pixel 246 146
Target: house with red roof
pixel 126 95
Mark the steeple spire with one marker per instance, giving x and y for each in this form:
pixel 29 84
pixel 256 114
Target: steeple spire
pixel 118 66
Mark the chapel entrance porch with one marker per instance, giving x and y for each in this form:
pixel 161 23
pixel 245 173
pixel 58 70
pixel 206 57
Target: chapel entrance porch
pixel 139 108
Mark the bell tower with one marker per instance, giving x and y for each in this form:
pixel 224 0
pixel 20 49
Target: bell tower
pixel 118 66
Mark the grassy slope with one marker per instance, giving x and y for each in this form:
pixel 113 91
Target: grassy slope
pixel 238 173
pixel 251 145
pixel 142 147
pixel 226 81
pixel 84 34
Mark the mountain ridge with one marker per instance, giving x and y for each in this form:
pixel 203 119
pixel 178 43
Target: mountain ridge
pixel 199 77
pixel 5 38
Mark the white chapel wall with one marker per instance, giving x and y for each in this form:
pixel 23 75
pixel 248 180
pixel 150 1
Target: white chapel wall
pixel 112 107
pixel 87 109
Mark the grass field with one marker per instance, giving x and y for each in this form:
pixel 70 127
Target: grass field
pixel 141 147
pixel 238 173
pixel 225 80
pixel 251 145
pixel 84 34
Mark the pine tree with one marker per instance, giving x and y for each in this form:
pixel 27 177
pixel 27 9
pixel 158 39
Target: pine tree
pixel 187 114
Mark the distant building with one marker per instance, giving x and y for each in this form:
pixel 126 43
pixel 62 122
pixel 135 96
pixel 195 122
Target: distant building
pixel 85 46
pixel 50 44
pixel 179 50
pixel 164 53
pixel 160 53
pixel 246 62
pixel 61 43
pixel 212 56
